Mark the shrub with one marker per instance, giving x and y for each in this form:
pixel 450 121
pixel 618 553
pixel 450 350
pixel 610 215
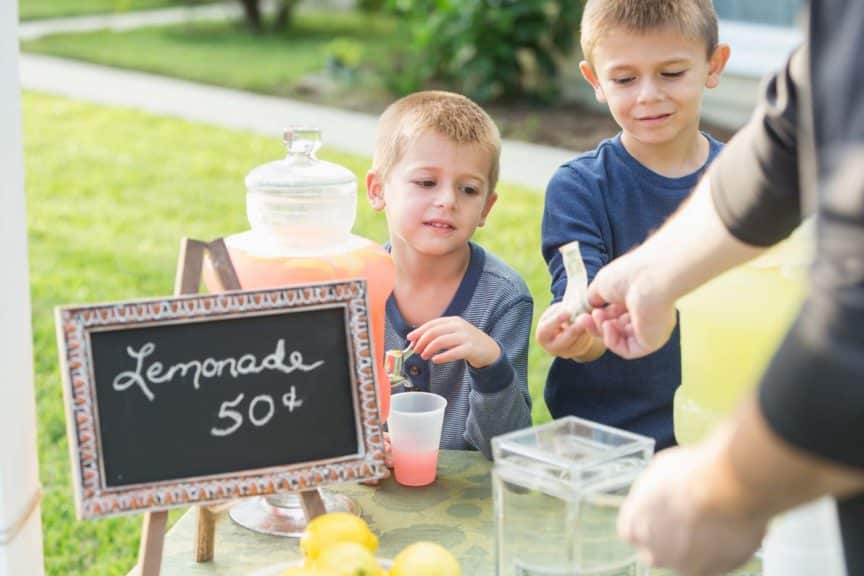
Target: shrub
pixel 486 49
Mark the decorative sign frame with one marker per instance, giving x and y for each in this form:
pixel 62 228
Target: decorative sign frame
pixel 95 498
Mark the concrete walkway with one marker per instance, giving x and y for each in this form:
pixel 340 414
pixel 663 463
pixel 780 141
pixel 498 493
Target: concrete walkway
pixel 224 10
pixel 523 164
pixel 129 20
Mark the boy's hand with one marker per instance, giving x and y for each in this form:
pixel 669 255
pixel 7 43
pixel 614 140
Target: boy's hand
pixel 454 338
pixel 577 340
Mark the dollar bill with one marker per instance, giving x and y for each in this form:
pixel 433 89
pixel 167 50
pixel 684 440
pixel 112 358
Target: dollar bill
pixel 576 295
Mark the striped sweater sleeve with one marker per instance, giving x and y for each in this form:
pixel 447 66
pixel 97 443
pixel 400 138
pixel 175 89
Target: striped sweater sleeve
pixel 499 401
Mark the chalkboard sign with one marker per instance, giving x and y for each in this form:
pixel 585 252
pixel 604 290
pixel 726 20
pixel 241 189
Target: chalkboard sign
pixel 201 398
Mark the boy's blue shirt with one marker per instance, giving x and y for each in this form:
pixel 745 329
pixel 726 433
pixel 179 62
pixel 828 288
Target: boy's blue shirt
pixel 611 203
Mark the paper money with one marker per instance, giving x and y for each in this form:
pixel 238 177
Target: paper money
pixel 576 295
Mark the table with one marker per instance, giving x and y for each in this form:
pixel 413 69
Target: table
pixel 455 511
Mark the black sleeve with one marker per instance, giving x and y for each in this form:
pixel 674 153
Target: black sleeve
pixel 812 394
pixel 754 181
pixel 813 391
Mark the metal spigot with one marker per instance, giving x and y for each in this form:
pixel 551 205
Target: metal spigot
pixel 394 365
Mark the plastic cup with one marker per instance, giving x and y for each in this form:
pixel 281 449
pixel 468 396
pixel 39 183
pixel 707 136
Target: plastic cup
pixel 415 423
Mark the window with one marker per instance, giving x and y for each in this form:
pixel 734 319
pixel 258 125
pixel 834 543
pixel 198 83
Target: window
pixel 762 34
pixel 768 12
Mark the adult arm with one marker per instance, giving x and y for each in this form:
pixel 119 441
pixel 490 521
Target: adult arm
pixel 704 509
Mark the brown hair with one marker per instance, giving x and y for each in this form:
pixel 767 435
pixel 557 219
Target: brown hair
pixel 451 115
pixel 693 18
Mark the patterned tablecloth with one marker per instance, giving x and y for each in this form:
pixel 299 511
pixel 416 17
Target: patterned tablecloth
pixel 455 511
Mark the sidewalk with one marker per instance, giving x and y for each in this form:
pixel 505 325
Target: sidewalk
pixel 523 164
pixel 224 10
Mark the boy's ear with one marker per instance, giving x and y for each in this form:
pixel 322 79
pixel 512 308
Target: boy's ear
pixel 375 190
pixel 716 64
pixel 490 201
pixel 591 77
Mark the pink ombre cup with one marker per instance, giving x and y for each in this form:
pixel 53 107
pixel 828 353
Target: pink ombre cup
pixel 415 423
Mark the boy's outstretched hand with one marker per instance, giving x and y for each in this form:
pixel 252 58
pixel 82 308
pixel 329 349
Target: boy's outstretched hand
pixel 453 338
pixel 577 340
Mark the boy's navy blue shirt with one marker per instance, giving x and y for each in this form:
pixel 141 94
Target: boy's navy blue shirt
pixel 611 203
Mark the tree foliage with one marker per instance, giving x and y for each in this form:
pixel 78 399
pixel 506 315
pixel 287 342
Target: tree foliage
pixel 487 49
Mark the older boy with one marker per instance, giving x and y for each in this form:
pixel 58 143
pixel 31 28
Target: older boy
pixel 466 313
pixel 649 61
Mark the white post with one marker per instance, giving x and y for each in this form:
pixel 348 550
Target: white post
pixel 20 526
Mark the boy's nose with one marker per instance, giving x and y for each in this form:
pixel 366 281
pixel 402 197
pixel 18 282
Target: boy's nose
pixel 649 91
pixel 445 197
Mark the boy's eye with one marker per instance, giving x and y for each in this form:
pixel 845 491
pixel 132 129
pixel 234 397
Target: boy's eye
pixel 470 190
pixel 673 74
pixel 623 80
pixel 424 183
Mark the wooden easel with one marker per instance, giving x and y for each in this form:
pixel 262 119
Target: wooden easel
pixel 187 280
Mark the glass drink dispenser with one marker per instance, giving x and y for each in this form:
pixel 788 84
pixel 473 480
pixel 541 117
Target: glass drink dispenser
pixel 301 211
pixel 557 490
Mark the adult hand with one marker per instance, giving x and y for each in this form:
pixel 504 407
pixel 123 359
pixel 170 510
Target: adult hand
pixel 633 308
pixel 577 340
pixel 673 523
pixel 453 338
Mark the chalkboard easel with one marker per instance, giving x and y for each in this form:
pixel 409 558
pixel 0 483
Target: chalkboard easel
pixel 187 281
pixel 266 405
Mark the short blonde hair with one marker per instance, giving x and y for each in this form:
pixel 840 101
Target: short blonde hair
pixel 451 115
pixel 693 18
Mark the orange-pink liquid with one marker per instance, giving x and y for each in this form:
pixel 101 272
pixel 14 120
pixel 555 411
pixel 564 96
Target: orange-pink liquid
pixel 415 468
pixel 369 261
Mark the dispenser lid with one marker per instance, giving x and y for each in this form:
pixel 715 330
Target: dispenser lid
pixel 300 168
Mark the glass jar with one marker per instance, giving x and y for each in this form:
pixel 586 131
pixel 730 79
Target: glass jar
pixel 301 211
pixel 557 489
pixel 730 328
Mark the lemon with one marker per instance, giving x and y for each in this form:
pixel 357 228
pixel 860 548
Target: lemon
pixel 348 559
pixel 328 529
pixel 425 559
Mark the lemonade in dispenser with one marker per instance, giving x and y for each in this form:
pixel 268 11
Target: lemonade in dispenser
pixel 301 211
pixel 730 328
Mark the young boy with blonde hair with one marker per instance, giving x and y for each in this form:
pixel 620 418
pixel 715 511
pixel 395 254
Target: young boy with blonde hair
pixel 465 313
pixel 649 61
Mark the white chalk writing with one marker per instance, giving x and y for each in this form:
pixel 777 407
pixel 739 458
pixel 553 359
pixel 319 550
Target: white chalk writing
pixel 208 368
pixel 258 417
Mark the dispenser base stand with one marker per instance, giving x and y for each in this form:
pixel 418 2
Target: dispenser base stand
pixel 285 514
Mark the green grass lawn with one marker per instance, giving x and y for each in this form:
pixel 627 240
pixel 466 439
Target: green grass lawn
pixel 110 192
pixel 226 54
pixel 36 9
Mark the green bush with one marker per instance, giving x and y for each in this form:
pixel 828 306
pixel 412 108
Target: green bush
pixel 486 49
